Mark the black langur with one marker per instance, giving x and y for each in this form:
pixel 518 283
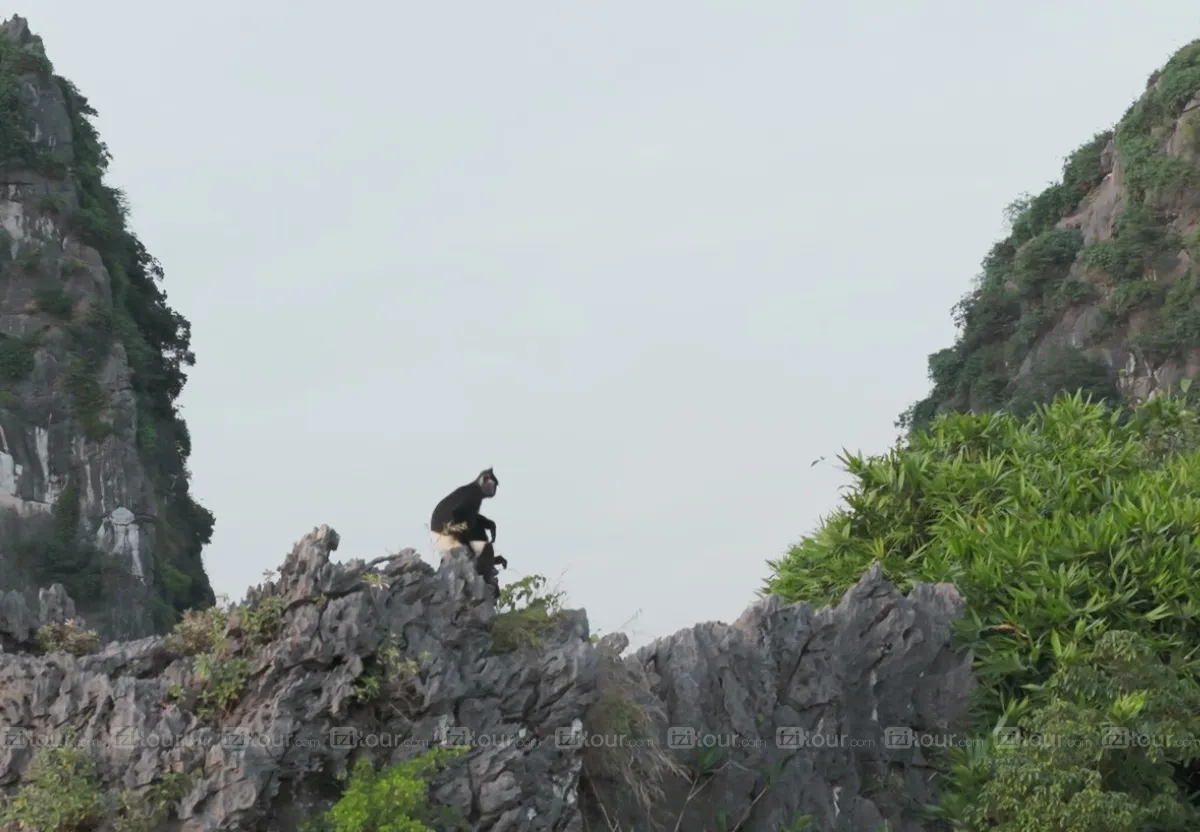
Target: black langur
pixel 457 522
pixel 486 558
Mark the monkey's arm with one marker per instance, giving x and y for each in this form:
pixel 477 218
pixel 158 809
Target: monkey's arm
pixel 488 526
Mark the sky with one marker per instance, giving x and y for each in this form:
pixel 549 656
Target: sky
pixel 649 261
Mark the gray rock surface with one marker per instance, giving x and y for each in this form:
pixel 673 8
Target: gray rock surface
pixel 879 659
pixel 272 761
pixel 825 685
pixel 125 492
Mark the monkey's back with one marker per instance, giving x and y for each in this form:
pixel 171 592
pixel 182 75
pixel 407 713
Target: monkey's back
pixel 459 506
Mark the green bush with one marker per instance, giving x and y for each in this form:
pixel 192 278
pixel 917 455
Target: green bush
pixel 1057 528
pixel 1045 259
pixel 1140 237
pixel 16 359
pixel 1116 722
pixel 393 800
pixel 525 612
pixel 53 300
pixel 62 792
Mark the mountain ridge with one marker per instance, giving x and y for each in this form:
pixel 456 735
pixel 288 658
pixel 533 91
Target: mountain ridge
pixel 1095 287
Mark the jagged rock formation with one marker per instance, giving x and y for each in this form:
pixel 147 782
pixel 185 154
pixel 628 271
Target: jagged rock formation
pixel 93 478
pixel 1097 285
pixel 842 676
pixel 877 660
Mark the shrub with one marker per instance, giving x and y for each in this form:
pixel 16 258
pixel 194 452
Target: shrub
pixel 388 675
pixel 16 359
pixel 68 637
pixel 393 800
pixel 62 793
pixel 198 631
pixel 1140 236
pixel 1056 528
pixel 73 267
pixel 223 681
pixel 1046 258
pixel 1080 779
pixel 263 619
pixel 526 614
pixel 53 300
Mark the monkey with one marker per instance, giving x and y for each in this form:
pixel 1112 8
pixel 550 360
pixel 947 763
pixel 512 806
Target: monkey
pixel 457 522
pixel 486 558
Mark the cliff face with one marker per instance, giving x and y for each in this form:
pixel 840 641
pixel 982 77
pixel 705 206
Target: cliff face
pixel 93 478
pixel 335 662
pixel 1096 287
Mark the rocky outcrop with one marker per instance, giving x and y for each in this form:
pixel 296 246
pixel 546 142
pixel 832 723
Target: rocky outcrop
pixel 93 481
pixel 793 712
pixel 561 733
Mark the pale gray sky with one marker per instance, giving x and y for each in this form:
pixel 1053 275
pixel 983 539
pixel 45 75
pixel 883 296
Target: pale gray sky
pixel 647 260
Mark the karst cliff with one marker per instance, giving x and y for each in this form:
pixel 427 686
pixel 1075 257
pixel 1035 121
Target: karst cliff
pixel 93 453
pixel 1096 286
pixel 244 719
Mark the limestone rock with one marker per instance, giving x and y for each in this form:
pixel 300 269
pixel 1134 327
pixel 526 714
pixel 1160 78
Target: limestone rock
pixel 878 660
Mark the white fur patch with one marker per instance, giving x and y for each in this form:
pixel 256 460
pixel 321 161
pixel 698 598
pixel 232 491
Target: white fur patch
pixel 443 542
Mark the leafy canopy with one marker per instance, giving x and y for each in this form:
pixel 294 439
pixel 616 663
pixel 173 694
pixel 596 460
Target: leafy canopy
pixel 1063 528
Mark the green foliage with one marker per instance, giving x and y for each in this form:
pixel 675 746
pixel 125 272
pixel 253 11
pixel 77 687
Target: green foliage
pixel 1141 135
pixel 1073 291
pixel 1117 723
pixel 157 342
pixel 1139 238
pixel 68 637
pixel 1045 259
pixel 90 401
pixel 145 812
pixel 198 631
pixel 16 359
pixel 525 613
pixel 388 675
pixel 29 260
pixel 223 681
pixel 1056 528
pixel 995 331
pixel 393 800
pixel 62 793
pixel 53 203
pixel 53 300
pixel 1082 171
pixel 73 267
pixel 263 619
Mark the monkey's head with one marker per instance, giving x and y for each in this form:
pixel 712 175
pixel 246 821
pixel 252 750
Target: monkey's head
pixel 487 483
